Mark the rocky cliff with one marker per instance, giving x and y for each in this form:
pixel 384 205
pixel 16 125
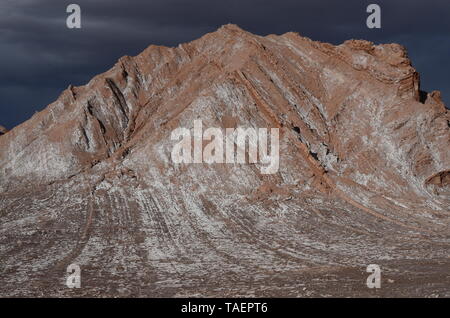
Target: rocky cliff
pixel 364 176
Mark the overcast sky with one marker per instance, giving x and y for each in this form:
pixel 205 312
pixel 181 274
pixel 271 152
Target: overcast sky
pixel 40 56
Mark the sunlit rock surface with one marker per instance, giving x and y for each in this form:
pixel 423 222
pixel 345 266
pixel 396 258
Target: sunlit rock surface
pixel 364 177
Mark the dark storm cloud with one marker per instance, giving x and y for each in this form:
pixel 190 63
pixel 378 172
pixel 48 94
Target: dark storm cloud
pixel 39 56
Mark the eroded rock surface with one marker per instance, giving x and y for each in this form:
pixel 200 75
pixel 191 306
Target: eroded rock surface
pixel 363 178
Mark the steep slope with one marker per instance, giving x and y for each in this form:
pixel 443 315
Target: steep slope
pixel 363 176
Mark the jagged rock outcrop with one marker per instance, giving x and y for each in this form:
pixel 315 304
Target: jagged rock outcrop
pixel 3 130
pixel 363 176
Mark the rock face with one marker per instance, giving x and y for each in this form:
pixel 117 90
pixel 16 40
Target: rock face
pixel 364 176
pixel 3 130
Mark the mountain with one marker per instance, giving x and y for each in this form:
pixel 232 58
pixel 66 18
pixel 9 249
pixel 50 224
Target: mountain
pixel 363 177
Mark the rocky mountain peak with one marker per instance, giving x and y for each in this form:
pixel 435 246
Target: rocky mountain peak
pixel 363 167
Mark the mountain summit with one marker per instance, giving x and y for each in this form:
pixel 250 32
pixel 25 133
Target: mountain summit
pixel 364 176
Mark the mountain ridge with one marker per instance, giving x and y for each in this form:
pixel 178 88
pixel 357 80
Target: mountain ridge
pixel 364 166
